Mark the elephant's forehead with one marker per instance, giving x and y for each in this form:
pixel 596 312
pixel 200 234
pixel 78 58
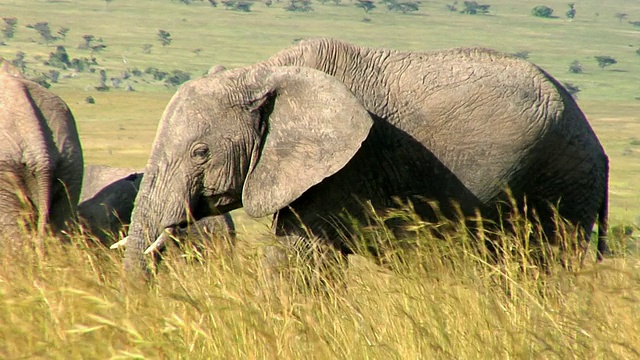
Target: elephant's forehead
pixel 193 111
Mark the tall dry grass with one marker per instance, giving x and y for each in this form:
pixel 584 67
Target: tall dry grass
pixel 437 297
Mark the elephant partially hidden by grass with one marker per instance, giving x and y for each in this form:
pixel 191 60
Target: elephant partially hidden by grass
pixel 323 127
pixel 106 202
pixel 41 159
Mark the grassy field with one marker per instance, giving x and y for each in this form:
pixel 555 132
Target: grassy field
pixel 449 303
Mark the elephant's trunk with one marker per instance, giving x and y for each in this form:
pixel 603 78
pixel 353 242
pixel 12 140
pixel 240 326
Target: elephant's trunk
pixel 158 207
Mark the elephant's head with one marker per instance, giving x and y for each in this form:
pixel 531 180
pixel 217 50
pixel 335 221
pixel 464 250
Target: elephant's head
pixel 253 137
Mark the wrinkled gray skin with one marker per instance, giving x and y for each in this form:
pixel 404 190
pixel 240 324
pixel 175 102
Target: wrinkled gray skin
pixel 107 198
pixel 456 126
pixel 40 157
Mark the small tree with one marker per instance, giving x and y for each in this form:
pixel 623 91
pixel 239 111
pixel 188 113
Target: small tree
pixel 53 75
pixel 366 5
pixel 228 4
pixel 542 11
pixel 604 61
pixel 157 74
pixel 177 77
pixel 88 39
pixel 404 7
pixel 621 16
pixel 103 81
pixel 10 24
pixel 103 76
pixel 452 7
pixel 62 32
pixel 299 6
pixel 213 3
pixel 97 48
pixel 59 58
pixel 571 13
pixel 410 6
pixel 243 6
pixel 576 67
pixel 80 65
pixel 473 8
pixel 44 30
pixel 164 37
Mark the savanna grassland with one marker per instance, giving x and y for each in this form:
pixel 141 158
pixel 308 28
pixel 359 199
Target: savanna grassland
pixel 443 300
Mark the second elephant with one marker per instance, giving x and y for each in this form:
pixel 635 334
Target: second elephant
pixel 41 159
pixel 107 199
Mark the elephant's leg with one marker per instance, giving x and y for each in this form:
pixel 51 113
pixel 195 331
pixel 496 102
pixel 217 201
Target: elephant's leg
pixel 66 186
pixel 62 210
pixel 562 235
pixel 17 215
pixel 305 263
pixel 301 257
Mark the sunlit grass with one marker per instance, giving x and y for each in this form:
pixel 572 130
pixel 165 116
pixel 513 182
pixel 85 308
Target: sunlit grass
pixel 442 297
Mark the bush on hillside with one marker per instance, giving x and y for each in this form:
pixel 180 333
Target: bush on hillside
pixel 156 73
pixel 44 30
pixel 604 61
pixel 542 11
pixel 177 77
pixel 473 8
pixel 10 24
pixel 59 58
pixel 576 67
pixel 19 61
pixel 299 6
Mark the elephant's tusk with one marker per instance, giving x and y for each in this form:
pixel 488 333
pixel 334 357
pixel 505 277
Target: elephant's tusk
pixel 120 244
pixel 160 242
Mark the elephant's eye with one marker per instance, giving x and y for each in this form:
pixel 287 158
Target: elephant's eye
pixel 200 152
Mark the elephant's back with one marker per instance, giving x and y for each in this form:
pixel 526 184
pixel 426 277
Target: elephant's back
pixel 484 115
pixel 98 177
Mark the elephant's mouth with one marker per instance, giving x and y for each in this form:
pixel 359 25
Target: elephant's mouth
pixel 206 206
pixel 217 204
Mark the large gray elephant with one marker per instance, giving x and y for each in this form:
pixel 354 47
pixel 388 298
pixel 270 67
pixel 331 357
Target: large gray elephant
pixel 106 203
pixel 325 126
pixel 41 159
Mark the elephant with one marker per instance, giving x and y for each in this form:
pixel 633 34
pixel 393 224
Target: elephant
pixel 326 128
pixel 41 161
pixel 107 198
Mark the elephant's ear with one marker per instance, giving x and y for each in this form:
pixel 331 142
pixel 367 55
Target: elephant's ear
pixel 314 127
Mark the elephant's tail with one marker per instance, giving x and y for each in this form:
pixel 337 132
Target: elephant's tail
pixel 603 217
pixel 43 193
